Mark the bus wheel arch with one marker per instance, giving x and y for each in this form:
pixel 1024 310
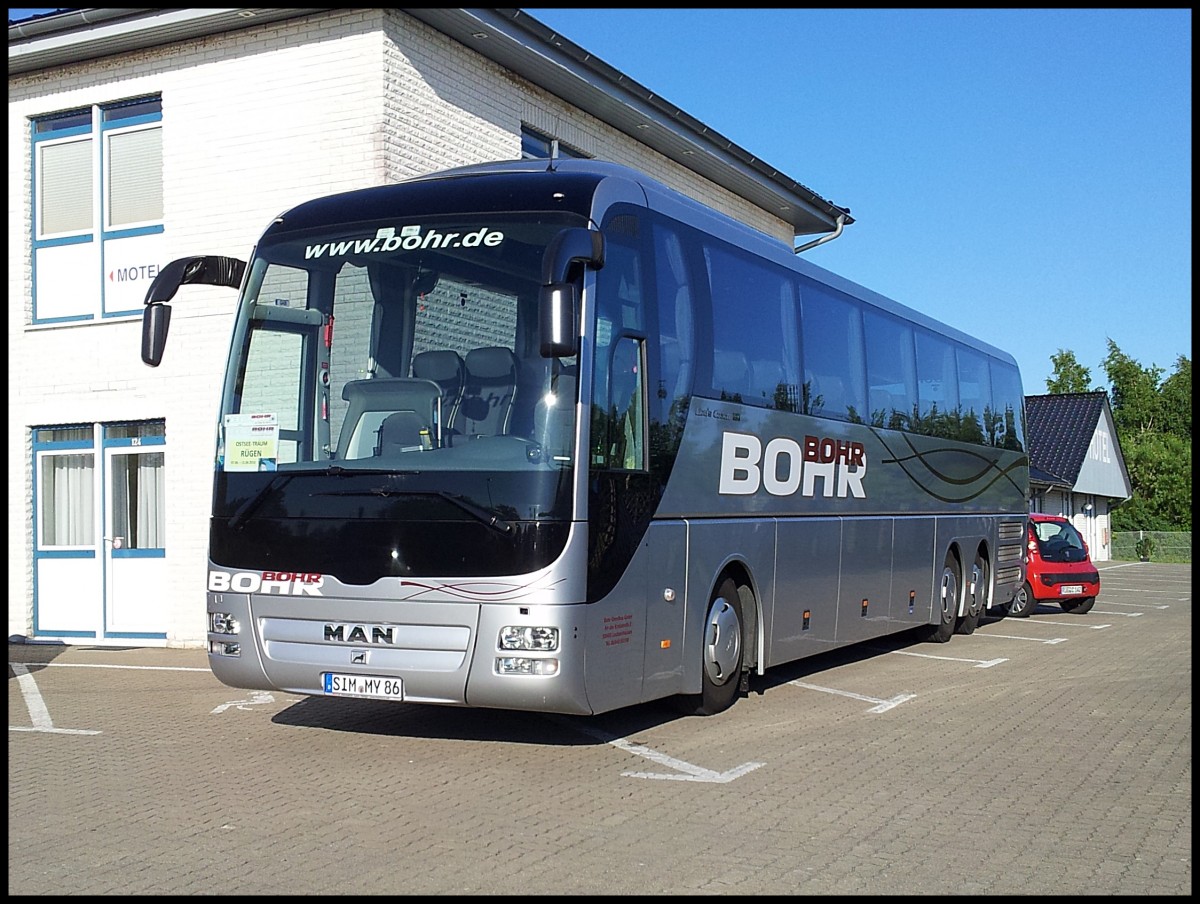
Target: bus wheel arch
pixel 724 646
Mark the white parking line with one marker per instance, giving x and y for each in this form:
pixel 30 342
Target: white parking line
pixel 39 715
pixel 1051 640
pixel 979 663
pixel 686 772
pixel 884 705
pixel 1066 624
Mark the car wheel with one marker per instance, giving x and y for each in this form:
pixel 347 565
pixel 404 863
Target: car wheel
pixel 1023 603
pixel 1079 605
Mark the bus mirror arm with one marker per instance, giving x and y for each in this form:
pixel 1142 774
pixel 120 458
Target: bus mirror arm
pixel 558 301
pixel 209 270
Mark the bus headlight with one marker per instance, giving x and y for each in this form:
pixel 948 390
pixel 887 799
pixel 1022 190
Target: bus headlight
pixel 223 623
pixel 521 637
pixel 519 665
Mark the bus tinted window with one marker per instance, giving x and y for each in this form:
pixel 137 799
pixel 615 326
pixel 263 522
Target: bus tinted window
pixel 937 385
pixel 1008 399
pixel 891 370
pixel 755 358
pixel 834 374
pixel 676 294
pixel 974 394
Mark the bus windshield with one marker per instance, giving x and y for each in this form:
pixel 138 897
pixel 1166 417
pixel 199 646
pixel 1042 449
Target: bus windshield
pixel 375 343
pixel 401 359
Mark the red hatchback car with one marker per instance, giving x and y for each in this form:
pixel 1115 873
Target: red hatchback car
pixel 1058 568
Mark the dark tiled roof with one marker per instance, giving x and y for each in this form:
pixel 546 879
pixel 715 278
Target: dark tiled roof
pixel 1037 475
pixel 1059 429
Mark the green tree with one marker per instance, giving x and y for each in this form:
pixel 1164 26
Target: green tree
pixel 1153 418
pixel 1069 374
pixel 1136 401
pixel 1177 400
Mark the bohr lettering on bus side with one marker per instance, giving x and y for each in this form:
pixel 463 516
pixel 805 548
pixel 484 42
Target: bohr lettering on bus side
pixel 785 467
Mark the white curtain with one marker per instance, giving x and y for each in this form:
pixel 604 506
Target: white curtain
pixel 68 500
pixel 151 501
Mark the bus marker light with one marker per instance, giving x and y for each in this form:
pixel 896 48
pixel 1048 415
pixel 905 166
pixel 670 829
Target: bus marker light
pixel 664 644
pixel 807 616
pixel 864 609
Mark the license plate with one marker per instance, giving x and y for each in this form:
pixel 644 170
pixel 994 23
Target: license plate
pixel 1070 588
pixel 370 686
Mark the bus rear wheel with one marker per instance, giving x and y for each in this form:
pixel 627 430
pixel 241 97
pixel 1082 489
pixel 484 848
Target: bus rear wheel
pixel 722 654
pixel 948 593
pixel 977 591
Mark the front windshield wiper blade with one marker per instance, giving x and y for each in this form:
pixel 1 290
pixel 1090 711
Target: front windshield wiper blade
pixel 487 516
pixel 490 518
pixel 247 508
pixel 279 481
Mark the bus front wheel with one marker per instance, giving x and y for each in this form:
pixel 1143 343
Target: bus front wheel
pixel 721 653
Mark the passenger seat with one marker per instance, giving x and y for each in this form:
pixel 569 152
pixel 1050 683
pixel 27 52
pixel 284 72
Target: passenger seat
pixel 491 388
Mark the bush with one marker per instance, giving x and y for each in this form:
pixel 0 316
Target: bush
pixel 1144 548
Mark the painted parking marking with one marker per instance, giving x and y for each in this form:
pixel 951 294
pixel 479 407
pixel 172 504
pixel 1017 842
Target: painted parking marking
pixel 979 663
pixel 1049 640
pixel 1120 614
pixel 685 771
pixel 1067 624
pixel 882 707
pixel 257 698
pixel 39 713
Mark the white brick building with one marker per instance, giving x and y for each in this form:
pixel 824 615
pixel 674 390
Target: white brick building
pixel 139 136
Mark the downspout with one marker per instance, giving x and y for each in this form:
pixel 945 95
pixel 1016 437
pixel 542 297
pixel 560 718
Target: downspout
pixel 841 221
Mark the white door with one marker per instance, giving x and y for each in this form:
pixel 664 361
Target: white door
pixel 134 545
pixel 99 546
pixel 67 572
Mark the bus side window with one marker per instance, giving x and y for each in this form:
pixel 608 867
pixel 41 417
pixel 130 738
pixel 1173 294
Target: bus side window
pixel 625 423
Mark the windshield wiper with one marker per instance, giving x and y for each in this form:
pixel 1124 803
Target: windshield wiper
pixel 490 518
pixel 487 516
pixel 280 480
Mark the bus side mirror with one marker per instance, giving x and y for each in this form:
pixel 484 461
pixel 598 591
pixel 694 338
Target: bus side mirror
pixel 558 300
pixel 208 270
pixel 155 320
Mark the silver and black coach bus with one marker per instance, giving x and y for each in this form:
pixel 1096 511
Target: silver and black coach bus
pixel 551 436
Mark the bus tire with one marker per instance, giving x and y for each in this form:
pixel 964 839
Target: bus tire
pixel 977 590
pixel 1023 603
pixel 1078 606
pixel 948 593
pixel 722 652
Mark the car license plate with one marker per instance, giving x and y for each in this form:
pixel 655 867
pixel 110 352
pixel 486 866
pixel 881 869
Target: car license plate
pixel 1070 588
pixel 371 686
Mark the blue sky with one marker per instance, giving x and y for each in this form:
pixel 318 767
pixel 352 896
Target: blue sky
pixel 1021 174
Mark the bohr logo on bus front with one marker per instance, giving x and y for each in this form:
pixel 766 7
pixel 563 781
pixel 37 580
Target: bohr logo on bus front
pixel 784 466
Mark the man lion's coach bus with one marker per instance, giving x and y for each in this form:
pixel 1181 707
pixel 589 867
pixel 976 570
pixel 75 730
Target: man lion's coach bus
pixel 551 436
